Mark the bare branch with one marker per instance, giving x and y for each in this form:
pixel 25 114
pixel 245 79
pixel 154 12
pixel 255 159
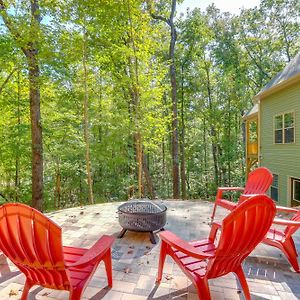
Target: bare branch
pixel 256 63
pixel 154 16
pixel 7 79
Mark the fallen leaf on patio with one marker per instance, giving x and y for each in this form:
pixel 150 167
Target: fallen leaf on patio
pixel 239 292
pixel 82 212
pixel 148 262
pixel 148 247
pixel 127 270
pixel 146 252
pixel 45 294
pixel 169 277
pixel 130 252
pixel 131 247
pixel 13 293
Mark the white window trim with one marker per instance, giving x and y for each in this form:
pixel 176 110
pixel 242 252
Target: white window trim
pixel 283 128
pixel 293 188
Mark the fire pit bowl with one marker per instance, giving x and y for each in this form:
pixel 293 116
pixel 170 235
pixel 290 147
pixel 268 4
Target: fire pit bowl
pixel 142 216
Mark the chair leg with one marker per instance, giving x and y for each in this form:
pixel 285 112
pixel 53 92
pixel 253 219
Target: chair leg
pixel 203 289
pixel 162 258
pixel 214 212
pixel 75 294
pixel 241 276
pixel 291 254
pixel 293 245
pixel 108 267
pixel 26 289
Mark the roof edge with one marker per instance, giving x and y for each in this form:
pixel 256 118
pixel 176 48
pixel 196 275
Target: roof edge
pixel 276 88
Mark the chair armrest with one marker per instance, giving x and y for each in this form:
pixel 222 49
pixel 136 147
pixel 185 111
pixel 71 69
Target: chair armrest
pixel 231 188
pixel 174 241
pixel 94 253
pixel 214 229
pixel 286 222
pixel 227 189
pixel 286 209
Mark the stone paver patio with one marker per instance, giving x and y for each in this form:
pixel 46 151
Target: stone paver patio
pixel 135 260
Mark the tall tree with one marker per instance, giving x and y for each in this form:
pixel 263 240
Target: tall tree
pixel 29 45
pixel 86 115
pixel 175 144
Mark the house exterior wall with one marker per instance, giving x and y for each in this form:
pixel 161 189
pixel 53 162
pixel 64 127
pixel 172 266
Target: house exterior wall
pixel 281 159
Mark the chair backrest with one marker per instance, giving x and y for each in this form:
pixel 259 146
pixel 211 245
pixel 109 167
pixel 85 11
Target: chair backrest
pixel 242 230
pixel 33 243
pixel 291 229
pixel 258 182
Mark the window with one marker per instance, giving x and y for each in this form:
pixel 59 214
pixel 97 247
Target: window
pixel 296 189
pixel 284 131
pixel 274 188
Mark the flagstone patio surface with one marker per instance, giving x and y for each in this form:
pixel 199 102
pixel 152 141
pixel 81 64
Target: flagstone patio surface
pixel 135 260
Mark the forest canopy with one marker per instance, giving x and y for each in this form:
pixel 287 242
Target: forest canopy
pixel 105 100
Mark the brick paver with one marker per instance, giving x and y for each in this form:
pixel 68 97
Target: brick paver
pixel 135 260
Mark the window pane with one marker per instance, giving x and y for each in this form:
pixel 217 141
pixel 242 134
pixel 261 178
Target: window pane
pixel 296 195
pixel 274 193
pixel 275 180
pixel 274 188
pixel 278 136
pixel 278 122
pixel 289 135
pixel 289 120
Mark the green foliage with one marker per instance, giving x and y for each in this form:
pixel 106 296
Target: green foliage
pixel 222 61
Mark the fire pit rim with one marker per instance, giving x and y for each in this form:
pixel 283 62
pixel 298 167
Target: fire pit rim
pixel 162 206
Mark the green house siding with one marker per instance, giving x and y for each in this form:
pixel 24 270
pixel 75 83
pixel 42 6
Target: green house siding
pixel 281 159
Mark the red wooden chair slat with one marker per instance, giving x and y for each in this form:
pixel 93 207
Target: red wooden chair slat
pixel 259 181
pixel 241 231
pixel 283 239
pixel 34 244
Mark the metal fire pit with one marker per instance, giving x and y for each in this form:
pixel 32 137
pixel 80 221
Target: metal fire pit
pixel 142 216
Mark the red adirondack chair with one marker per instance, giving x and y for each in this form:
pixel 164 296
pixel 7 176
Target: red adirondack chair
pixel 34 244
pixel 259 181
pixel 241 231
pixel 282 239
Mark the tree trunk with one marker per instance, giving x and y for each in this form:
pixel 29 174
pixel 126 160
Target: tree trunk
pixel 149 182
pixel 182 142
pixel 17 174
pixel 205 157
pixel 36 132
pixel 86 119
pixel 31 52
pixel 139 159
pixel 212 128
pixel 175 148
pixel 57 194
pixel 135 96
pixel 35 110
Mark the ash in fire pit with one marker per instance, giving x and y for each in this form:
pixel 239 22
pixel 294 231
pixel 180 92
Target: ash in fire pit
pixel 143 216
